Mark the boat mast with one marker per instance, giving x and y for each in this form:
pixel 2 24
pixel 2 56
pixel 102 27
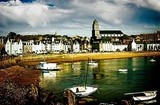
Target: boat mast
pixel 86 73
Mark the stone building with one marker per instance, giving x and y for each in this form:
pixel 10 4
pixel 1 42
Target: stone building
pixel 106 40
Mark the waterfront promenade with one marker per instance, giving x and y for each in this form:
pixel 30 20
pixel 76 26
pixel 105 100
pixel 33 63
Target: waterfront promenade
pixel 60 58
pixel 33 59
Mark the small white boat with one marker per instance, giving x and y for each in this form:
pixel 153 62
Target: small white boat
pixel 47 66
pixel 143 96
pixel 92 63
pixel 122 70
pixel 152 60
pixel 83 91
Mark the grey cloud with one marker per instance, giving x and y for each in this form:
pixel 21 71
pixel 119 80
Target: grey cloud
pixel 71 14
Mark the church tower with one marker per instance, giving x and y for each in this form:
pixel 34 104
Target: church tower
pixel 95 29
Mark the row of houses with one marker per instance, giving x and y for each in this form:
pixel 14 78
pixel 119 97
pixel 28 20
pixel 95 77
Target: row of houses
pixel 46 44
pixel 100 41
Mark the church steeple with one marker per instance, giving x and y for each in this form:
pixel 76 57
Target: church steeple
pixel 95 29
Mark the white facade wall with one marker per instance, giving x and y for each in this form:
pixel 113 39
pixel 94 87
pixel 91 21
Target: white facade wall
pixel 61 46
pixel 53 39
pixel 139 47
pixel 106 47
pixel 38 48
pixel 153 47
pixel 20 47
pixel 14 47
pixel 114 47
pixel 119 47
pixel 52 46
pixel 76 47
pixel 35 48
pixel 66 47
pixel 48 47
pixel 133 46
pixel 111 47
pixel 8 47
pixel 57 47
pixel 43 48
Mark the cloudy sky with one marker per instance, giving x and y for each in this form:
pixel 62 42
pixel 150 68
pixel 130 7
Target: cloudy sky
pixel 75 17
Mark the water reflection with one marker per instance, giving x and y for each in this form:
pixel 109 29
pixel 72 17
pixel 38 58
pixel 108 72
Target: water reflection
pixel 139 77
pixel 97 72
pixel 48 78
pixel 46 74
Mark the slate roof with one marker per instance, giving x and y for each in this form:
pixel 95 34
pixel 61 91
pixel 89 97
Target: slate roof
pixel 110 32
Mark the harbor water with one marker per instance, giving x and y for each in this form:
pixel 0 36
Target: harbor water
pixel 141 75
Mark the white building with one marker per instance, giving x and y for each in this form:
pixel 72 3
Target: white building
pixel 107 47
pixel 139 47
pixel 38 47
pixel 153 46
pixel 27 46
pixel 76 46
pixel 57 45
pixel 66 47
pixel 133 45
pixel 14 47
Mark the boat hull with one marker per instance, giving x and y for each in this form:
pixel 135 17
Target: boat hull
pixel 143 96
pixel 122 70
pixel 48 66
pixel 83 91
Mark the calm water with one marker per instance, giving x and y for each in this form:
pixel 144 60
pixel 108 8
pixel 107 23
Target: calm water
pixel 142 75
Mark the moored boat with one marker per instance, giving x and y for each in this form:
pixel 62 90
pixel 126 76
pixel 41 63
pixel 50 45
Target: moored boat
pixel 152 60
pixel 122 70
pixel 48 66
pixel 83 91
pixel 143 96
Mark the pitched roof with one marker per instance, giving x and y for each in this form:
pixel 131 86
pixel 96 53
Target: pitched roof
pixel 111 32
